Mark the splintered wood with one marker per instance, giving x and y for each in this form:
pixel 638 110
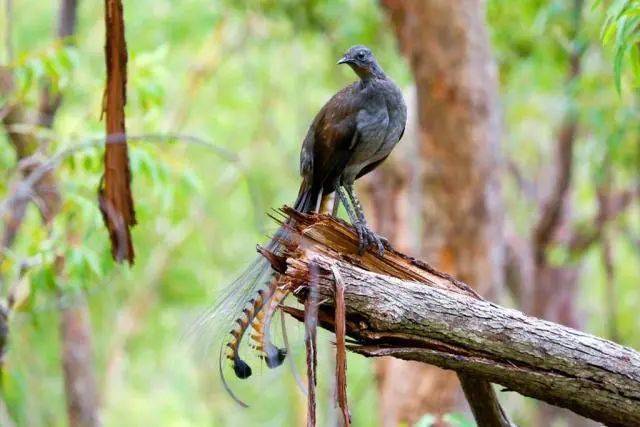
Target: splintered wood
pixel 397 306
pixel 326 238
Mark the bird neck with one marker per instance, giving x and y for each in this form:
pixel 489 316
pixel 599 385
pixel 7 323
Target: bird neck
pixel 372 72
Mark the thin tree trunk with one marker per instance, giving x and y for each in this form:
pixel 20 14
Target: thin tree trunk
pixel 448 49
pixel 551 293
pixel 66 28
pixel 77 364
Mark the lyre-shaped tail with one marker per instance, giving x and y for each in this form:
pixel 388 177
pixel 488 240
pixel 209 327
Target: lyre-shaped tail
pixel 259 311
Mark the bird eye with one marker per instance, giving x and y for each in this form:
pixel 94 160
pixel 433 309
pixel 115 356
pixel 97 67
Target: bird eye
pixel 361 56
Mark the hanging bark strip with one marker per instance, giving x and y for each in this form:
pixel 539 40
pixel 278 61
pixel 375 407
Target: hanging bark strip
pixel 114 195
pixel 341 349
pixel 311 326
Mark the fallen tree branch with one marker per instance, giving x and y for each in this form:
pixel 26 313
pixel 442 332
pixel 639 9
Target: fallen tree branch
pixel 397 306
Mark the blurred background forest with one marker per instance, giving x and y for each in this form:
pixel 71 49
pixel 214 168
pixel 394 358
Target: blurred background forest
pixel 544 133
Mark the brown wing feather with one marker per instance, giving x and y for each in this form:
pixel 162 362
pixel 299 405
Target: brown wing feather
pixel 325 151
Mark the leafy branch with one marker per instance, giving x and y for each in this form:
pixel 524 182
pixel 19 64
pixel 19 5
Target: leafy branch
pixel 622 30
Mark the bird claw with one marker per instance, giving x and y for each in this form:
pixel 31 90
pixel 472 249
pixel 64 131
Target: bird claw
pixel 368 239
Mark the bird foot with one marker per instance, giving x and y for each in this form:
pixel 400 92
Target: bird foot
pixel 368 239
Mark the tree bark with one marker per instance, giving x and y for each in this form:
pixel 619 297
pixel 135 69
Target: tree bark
pixel 447 46
pixel 397 306
pixel 116 202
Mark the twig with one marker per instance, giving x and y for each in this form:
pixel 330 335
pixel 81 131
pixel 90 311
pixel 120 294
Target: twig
pixel 610 206
pixel 25 187
pixel 399 307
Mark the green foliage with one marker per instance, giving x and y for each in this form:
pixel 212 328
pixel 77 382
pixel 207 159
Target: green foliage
pixel 248 76
pixel 621 31
pixel 231 73
pixel 54 64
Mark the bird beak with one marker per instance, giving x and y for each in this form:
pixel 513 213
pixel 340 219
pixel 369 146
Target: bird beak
pixel 344 60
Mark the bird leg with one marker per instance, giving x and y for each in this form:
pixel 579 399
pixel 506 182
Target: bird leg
pixel 336 205
pixel 366 237
pixel 344 199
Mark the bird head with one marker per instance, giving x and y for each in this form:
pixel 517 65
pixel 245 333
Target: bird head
pixel 362 61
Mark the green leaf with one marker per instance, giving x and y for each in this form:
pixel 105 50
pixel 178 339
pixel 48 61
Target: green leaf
pixel 634 60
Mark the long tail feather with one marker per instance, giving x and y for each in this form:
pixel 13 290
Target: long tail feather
pixel 272 355
pixel 292 363
pixel 308 199
pixel 226 386
pixel 234 298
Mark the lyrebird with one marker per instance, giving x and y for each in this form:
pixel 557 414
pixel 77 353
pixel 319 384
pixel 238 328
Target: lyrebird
pixel 349 137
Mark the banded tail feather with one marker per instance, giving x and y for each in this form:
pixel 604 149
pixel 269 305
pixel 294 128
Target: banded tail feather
pixel 261 326
pixel 242 323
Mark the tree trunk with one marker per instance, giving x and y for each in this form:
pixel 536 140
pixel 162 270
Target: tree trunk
pixel 448 50
pixel 77 364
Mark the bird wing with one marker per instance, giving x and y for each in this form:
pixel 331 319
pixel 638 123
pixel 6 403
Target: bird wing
pixel 374 165
pixel 331 138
